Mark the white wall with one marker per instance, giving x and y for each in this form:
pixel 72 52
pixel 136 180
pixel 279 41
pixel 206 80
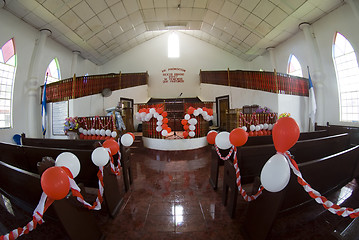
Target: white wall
pixel 25 37
pixel 342 20
pixel 195 55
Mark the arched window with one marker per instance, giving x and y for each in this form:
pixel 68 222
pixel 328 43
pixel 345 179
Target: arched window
pixel 53 71
pixel 347 71
pixel 173 46
pixel 294 67
pixel 7 77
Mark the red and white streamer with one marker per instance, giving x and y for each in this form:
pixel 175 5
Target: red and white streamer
pixel 115 169
pixel 76 192
pixel 244 194
pixel 38 213
pixel 226 157
pixel 330 206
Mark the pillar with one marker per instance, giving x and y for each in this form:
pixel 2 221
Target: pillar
pixel 75 55
pixel 316 71
pixel 33 83
pixel 272 57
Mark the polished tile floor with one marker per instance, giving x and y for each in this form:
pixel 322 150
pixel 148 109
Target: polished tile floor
pixel 171 198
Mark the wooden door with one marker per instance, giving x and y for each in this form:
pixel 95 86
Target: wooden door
pixel 222 108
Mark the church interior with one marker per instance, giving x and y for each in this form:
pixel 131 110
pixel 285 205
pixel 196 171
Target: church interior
pixel 179 119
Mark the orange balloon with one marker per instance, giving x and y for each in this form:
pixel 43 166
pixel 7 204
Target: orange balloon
pixel 238 137
pixel 210 111
pixel 186 127
pixel 164 114
pixel 185 134
pixel 260 133
pixel 285 134
pixel 165 120
pixel 251 134
pixel 211 136
pixel 190 110
pixel 112 145
pixel 55 183
pixel 159 110
pixel 184 122
pixel 164 126
pixel 255 133
pixel 169 129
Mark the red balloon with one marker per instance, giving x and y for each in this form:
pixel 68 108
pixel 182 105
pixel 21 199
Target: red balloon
pixel 260 133
pixel 93 137
pixel 112 145
pixel 68 172
pixel 107 137
pixel 164 114
pixel 102 138
pixel 165 120
pixel 169 129
pixel 186 127
pixel 82 136
pixel 205 109
pixel 184 122
pixel 251 134
pixel 133 135
pixel 147 110
pixel 255 133
pixel 190 110
pixel 285 134
pixel 98 137
pixel 211 136
pixel 238 137
pixel 159 110
pixel 164 126
pixel 185 134
pixel 55 183
pixel 210 111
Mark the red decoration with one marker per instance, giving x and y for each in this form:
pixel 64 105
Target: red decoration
pixel 285 134
pixel 238 137
pixel 211 136
pixel 55 183
pixel 165 120
pixel 164 114
pixel 133 135
pixel 184 122
pixel 190 110
pixel 185 134
pixel 112 145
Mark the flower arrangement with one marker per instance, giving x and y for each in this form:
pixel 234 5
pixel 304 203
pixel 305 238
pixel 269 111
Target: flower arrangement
pixel 263 110
pixel 71 124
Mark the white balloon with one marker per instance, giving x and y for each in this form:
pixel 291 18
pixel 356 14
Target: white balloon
pixel 156 114
pixel 81 130
pixel 244 128
pixel 100 156
pixel 108 132
pixel 143 114
pixel 258 128
pixel 270 126
pixel 275 173
pixel 187 117
pixel 265 126
pixel 164 133
pixel 195 113
pixel 191 134
pixel 204 114
pixel 200 110
pixel 102 132
pixel 192 121
pixel 192 127
pixel 160 118
pixel 69 160
pixel 84 132
pixel 152 111
pixel 158 128
pixel 114 134
pixel 159 123
pixel 222 140
pixel 93 131
pixel 97 132
pixel 252 128
pixel 126 140
pixel 261 126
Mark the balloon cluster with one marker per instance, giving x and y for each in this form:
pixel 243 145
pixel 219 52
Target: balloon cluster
pixel 225 140
pixel 96 134
pixel 189 124
pixel 55 180
pixel 275 173
pixel 259 130
pixel 146 114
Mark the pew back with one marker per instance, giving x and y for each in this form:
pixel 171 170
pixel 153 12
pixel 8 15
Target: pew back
pixel 252 159
pixel 324 175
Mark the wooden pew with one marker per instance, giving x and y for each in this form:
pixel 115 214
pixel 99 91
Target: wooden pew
pixel 324 175
pixel 78 223
pixel 335 129
pixel 252 159
pixel 30 156
pixel 84 145
pixel 253 141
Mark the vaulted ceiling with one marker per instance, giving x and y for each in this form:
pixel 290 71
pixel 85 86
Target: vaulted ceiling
pixel 104 29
